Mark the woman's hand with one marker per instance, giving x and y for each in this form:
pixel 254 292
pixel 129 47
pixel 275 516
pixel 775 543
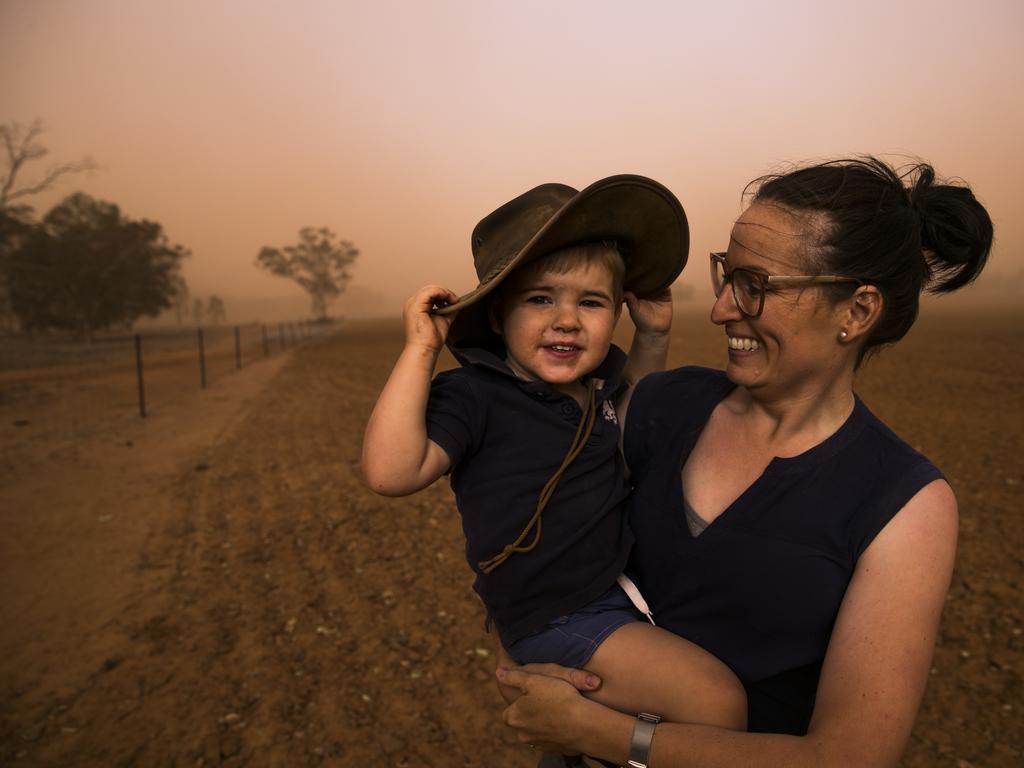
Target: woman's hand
pixel 580 679
pixel 505 662
pixel 422 327
pixel 547 707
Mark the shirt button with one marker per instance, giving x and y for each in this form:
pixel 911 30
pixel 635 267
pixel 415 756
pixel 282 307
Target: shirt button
pixel 568 409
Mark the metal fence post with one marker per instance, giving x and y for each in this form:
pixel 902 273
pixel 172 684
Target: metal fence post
pixel 138 374
pixel 280 334
pixel 202 359
pixel 238 349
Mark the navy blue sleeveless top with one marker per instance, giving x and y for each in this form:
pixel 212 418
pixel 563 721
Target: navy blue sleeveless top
pixel 760 588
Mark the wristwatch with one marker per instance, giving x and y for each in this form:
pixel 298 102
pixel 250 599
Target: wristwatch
pixel 643 735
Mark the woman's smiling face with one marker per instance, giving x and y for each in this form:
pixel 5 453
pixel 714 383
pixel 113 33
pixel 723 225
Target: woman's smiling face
pixel 793 343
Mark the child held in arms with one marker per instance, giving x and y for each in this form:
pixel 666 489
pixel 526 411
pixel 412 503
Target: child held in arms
pixel 529 429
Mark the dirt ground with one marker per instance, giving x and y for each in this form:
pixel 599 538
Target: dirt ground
pixel 214 586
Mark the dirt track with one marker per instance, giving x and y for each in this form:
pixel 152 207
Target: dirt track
pixel 214 586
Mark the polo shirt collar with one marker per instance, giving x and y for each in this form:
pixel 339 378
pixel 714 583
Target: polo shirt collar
pixel 493 359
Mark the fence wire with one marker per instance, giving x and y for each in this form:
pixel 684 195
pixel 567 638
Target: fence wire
pixel 66 387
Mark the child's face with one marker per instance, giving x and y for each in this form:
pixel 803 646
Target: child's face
pixel 558 327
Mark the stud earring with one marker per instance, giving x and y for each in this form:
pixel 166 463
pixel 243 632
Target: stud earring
pixel 842 335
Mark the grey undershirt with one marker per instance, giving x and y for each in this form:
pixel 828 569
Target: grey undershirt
pixel 694 522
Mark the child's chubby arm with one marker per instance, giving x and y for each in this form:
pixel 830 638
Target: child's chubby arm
pixel 652 317
pixel 398 457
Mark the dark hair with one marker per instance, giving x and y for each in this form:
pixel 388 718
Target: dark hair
pixel 898 230
pixel 605 252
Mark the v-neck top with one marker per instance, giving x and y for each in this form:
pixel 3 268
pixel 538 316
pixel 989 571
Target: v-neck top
pixel 761 586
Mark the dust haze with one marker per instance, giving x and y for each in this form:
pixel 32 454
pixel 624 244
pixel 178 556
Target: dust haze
pixel 400 126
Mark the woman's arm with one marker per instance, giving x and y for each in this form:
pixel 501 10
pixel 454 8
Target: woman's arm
pixel 882 643
pixel 398 457
pixel 871 684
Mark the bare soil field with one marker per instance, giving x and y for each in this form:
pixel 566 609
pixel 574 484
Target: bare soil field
pixel 213 585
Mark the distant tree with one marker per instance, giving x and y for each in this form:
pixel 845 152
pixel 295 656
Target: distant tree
pixel 87 267
pixel 15 227
pixel 198 312
pixel 181 299
pixel 215 312
pixel 319 263
pixel 21 146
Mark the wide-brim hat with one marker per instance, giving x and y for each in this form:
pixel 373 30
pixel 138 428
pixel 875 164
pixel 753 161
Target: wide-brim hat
pixel 644 218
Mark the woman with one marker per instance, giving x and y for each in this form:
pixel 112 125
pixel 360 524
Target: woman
pixel 828 542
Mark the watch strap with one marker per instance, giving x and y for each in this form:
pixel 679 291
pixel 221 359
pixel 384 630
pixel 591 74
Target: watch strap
pixel 643 735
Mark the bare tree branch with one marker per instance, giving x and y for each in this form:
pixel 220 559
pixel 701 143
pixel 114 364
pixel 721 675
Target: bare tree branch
pixel 21 147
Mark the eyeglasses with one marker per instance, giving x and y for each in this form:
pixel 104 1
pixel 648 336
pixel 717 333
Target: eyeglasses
pixel 749 287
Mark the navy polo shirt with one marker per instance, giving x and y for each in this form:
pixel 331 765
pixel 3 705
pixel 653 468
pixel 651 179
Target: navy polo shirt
pixel 506 437
pixel 761 586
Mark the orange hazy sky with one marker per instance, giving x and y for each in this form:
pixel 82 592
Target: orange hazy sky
pixel 400 124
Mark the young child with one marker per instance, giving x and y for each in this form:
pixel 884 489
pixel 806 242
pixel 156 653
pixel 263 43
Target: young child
pixel 529 429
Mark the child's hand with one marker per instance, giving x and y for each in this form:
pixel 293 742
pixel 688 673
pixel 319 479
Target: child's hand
pixel 652 315
pixel 423 328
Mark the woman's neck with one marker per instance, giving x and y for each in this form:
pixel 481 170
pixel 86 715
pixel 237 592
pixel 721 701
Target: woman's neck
pixel 792 422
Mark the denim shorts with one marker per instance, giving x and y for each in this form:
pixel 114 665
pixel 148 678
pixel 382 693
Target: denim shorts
pixel 571 640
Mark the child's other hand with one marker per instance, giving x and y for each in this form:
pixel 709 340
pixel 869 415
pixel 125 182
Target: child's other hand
pixel 423 328
pixel 652 315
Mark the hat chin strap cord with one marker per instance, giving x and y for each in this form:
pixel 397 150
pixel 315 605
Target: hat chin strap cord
pixel 583 431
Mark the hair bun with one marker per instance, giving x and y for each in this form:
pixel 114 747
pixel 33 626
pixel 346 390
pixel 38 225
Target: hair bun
pixel 925 178
pixel 956 231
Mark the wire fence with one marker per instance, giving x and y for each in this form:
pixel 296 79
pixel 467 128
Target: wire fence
pixel 59 385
